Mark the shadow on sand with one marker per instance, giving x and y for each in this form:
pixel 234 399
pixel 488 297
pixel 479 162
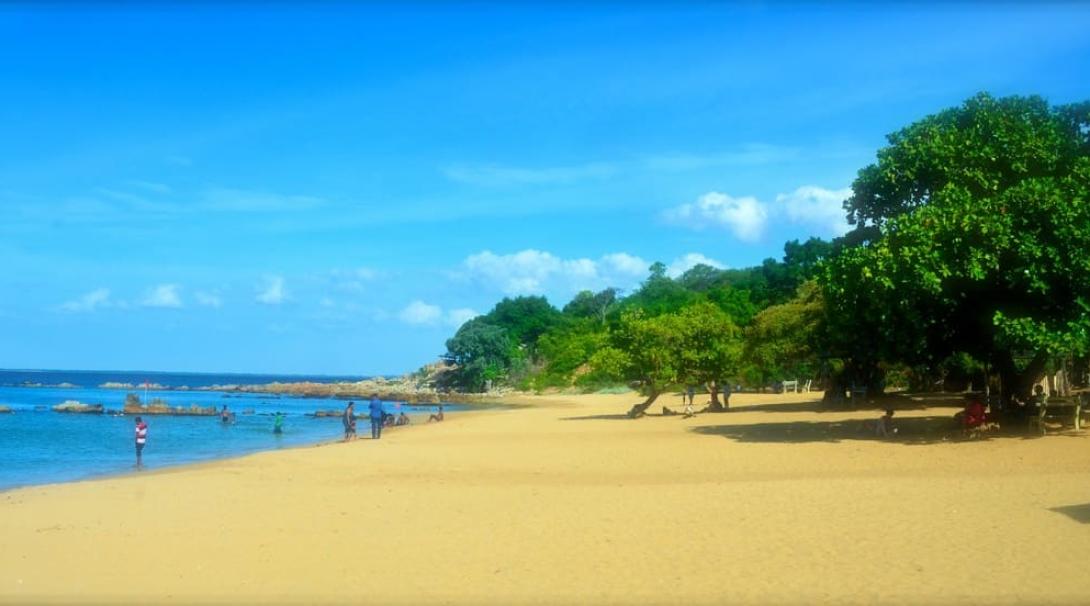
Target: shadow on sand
pixel 910 430
pixel 1079 513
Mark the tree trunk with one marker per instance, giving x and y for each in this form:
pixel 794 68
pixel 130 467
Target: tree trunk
pixel 638 410
pixel 715 406
pixel 1018 383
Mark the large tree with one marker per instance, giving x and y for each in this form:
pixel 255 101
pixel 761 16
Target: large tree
pixel 975 232
pixel 711 346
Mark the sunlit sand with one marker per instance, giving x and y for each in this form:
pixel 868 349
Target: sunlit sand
pixel 564 501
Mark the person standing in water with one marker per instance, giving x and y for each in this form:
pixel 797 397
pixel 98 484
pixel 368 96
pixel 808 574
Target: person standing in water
pixel 278 423
pixel 376 417
pixel 349 421
pixel 141 439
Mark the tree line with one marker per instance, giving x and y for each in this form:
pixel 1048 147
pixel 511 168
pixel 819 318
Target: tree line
pixel 968 259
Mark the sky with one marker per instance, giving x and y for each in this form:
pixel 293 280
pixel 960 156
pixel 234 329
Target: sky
pixel 333 189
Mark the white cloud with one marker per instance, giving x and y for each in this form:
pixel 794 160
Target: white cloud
pixel 745 216
pixel 163 295
pixel 419 312
pixel 208 299
pixel 626 264
pixel 457 317
pixel 535 272
pixel 812 206
pixel 273 293
pixel 817 207
pixel 88 302
pixel 689 261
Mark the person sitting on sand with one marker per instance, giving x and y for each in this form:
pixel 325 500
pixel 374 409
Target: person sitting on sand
pixel 666 412
pixel 973 416
pixel 388 420
pixel 402 419
pixel 437 417
pixel 884 427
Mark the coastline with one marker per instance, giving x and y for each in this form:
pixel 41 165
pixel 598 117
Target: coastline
pixel 560 499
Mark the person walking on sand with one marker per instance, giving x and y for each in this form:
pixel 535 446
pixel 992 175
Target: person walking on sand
pixel 376 418
pixel 349 419
pixel 141 439
pixel 690 392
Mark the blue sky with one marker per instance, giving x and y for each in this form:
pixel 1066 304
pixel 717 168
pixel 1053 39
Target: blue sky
pixel 333 189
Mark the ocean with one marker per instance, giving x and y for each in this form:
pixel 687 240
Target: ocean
pixel 39 446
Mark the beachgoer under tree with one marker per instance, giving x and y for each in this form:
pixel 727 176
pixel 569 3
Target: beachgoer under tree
pixel 884 427
pixel 690 392
pixel 376 418
pixel 141 440
pixel 349 420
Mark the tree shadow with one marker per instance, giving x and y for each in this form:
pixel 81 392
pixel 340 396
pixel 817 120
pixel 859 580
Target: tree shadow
pixel 910 430
pixel 1079 513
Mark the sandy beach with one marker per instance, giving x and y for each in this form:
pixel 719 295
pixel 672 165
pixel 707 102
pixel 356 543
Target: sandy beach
pixel 564 501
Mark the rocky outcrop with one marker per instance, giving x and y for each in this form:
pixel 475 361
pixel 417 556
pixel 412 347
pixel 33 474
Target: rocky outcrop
pixel 72 406
pixel 5 409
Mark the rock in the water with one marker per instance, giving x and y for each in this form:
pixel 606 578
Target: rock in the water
pixel 73 406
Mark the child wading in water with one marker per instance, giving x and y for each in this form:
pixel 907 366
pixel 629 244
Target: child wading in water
pixel 141 439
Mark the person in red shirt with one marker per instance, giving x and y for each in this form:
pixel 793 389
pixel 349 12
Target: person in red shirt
pixel 141 439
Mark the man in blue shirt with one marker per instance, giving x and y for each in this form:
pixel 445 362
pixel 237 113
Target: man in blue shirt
pixel 376 418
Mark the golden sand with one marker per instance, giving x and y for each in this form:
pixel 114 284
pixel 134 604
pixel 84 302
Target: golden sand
pixel 564 501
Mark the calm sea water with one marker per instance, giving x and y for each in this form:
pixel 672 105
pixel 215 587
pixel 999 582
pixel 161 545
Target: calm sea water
pixel 39 446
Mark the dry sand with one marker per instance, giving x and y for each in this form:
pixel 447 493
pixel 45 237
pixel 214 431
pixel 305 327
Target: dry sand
pixel 563 501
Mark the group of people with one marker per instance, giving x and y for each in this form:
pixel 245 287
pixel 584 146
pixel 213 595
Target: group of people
pixel 379 418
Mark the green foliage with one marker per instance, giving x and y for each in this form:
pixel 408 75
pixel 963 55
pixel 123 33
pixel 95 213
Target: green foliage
pixel 984 237
pixel 482 352
pixel 524 318
pixel 711 344
pixel 782 342
pixel 587 304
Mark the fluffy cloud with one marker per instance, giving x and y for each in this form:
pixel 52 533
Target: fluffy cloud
pixel 89 301
pixel 536 272
pixel 689 261
pixel 813 206
pixel 273 293
pixel 626 265
pixel 818 207
pixel 457 317
pixel 419 313
pixel 163 295
pixel 745 217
